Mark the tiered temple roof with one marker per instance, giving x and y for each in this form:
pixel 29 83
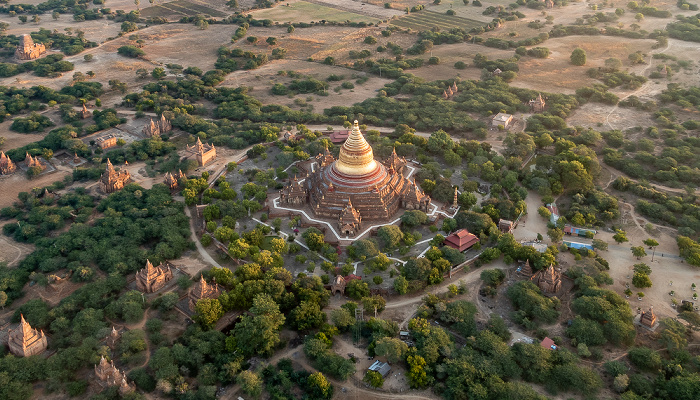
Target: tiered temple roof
pixel 395 163
pixel 295 193
pixel 26 341
pixel 374 191
pixel 202 290
pixel 461 240
pixel 111 180
pixel 151 279
pixel 350 220
pixel 157 128
pixel 6 165
pixel 548 280
pixel 325 159
pixel 203 153
pixel 526 270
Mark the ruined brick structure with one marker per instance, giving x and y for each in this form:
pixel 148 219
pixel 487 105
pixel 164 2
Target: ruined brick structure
pixel 338 285
pixel 111 180
pixel 202 290
pixel 6 165
pixel 537 104
pixel 648 318
pixel 151 279
pixel 170 181
pixel 202 153
pixel 33 162
pixel 157 128
pixel 28 50
pixel 85 113
pixel 355 188
pixel 109 375
pixel 26 341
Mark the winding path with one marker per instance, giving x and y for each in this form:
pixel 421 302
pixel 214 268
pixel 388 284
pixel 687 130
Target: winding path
pixel 617 105
pixel 200 248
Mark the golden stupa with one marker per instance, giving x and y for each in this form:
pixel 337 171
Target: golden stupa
pixel 356 188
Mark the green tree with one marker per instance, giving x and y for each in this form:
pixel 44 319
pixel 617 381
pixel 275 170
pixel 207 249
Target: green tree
pixel 3 299
pixel 578 57
pixel 342 319
pixel 439 142
pixel 208 311
pixel 555 234
pixel 641 280
pixel 374 379
pixel 599 244
pixel 318 386
pixel 251 383
pixel 638 251
pixel 307 315
pixel 259 333
pixel 417 375
pixel 390 235
pixel 620 236
pixel 357 289
pixel 158 73
pixel 400 285
pixel 392 348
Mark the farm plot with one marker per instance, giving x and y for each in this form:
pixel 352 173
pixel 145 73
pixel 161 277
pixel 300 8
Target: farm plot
pixel 302 11
pixel 180 8
pixel 425 20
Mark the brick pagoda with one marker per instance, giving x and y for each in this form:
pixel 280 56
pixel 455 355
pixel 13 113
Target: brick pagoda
pixel 111 180
pixel 6 165
pixel 26 341
pixel 151 279
pixel 356 187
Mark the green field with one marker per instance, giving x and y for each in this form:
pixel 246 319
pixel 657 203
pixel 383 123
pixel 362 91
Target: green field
pixel 425 20
pixel 181 8
pixel 302 11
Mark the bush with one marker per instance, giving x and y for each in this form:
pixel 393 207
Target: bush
pixel 131 51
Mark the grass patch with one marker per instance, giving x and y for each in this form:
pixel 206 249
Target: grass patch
pixel 180 7
pixel 424 20
pixel 302 11
pixel 199 8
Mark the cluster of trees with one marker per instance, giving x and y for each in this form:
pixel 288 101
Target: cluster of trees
pixel 426 109
pixel 134 224
pixel 685 28
pixel 51 66
pixel 603 315
pixel 40 213
pixel 485 366
pixel 676 210
pixel 228 60
pixel 68 44
pixel 35 122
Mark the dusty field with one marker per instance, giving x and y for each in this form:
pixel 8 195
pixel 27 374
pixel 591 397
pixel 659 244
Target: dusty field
pixel 451 53
pixel 266 76
pixel 556 73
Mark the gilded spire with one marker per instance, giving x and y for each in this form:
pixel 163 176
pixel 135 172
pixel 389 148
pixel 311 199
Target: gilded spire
pixel 356 156
pixel 110 167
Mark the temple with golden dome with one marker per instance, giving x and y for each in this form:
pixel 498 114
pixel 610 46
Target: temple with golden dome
pixel 355 188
